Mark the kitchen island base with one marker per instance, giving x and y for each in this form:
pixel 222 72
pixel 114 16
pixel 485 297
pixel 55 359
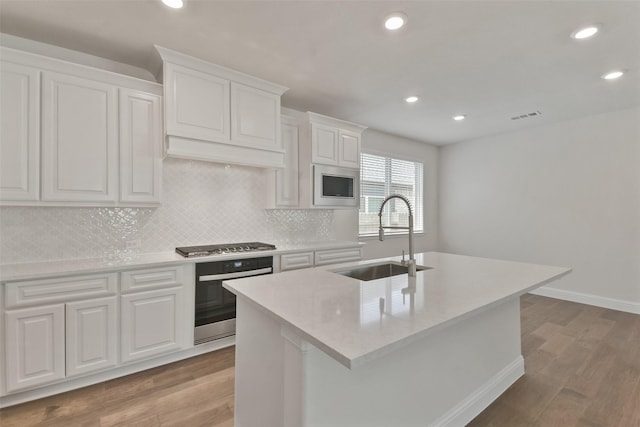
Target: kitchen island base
pixel 443 378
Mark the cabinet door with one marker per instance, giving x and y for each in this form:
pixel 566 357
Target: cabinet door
pixel 324 144
pixel 349 149
pixel 34 346
pixel 19 132
pixel 151 323
pixel 140 147
pixel 296 261
pixel 91 335
pixel 79 139
pixel 287 187
pixel 196 104
pixel 255 116
pixel 335 256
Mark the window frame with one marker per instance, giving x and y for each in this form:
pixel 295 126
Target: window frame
pixel 421 187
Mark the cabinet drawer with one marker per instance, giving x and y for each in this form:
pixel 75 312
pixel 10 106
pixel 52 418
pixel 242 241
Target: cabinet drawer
pixel 60 289
pixel 335 256
pixel 151 278
pixel 296 261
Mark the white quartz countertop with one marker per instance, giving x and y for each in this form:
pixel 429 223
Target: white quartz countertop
pixel 343 316
pixel 39 270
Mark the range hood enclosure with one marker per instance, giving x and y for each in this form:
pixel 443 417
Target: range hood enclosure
pixel 217 114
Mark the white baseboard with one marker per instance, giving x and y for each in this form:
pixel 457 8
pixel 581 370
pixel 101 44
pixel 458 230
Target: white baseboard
pixel 475 403
pixel 598 301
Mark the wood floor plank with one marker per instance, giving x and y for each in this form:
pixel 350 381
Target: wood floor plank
pixel 582 370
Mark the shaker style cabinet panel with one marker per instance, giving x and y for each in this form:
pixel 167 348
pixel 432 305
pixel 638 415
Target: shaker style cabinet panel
pixel 79 139
pixel 19 132
pixel 324 144
pixel 91 335
pixel 335 256
pixel 197 104
pixel 296 261
pixel 254 116
pixel 140 147
pixel 34 346
pixel 287 184
pixel 349 149
pixel 151 323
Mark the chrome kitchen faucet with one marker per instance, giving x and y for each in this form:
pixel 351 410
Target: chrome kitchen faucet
pixel 412 260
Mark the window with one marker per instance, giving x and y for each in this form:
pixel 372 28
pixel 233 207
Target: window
pixel 381 177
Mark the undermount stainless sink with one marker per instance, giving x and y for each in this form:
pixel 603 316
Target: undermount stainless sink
pixel 378 271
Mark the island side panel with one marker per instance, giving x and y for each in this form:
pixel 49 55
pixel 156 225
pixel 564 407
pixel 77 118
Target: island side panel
pixel 446 378
pixel 259 372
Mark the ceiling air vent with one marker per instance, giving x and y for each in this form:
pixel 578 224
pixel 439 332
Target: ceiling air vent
pixel 528 115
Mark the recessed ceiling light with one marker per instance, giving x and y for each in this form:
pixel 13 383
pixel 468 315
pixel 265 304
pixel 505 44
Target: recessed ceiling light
pixel 395 21
pixel 459 117
pixel 411 99
pixel 175 4
pixel 612 75
pixel 586 32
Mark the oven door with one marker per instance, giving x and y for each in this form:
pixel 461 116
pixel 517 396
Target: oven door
pixel 215 307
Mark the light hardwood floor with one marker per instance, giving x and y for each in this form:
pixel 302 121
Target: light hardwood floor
pixel 582 369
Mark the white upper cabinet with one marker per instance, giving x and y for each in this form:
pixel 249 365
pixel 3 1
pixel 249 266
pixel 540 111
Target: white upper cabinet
pixel 197 106
pixel 334 142
pixel 73 135
pixel 79 139
pixel 324 144
pixel 19 132
pixel 217 114
pixel 140 148
pixel 349 149
pixel 252 116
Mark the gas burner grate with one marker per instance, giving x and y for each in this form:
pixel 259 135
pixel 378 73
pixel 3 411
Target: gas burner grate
pixel 223 249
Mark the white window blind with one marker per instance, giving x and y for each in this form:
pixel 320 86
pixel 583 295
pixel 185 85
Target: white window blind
pixel 381 177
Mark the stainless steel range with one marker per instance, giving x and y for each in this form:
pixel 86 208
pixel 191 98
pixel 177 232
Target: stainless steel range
pixel 215 307
pixel 223 249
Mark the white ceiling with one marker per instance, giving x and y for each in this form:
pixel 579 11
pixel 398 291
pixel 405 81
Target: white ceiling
pixel 490 60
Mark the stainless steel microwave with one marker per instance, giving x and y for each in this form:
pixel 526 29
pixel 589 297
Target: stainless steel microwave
pixel 336 187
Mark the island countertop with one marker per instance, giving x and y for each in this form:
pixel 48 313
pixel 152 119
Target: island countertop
pixel 356 321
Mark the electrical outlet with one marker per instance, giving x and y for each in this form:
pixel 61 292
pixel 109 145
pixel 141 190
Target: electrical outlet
pixel 132 244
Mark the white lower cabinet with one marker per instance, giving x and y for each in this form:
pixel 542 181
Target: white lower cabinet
pixel 53 342
pixel 335 256
pixel 67 327
pixel 91 335
pixel 34 346
pixel 153 313
pixel 151 323
pixel 297 260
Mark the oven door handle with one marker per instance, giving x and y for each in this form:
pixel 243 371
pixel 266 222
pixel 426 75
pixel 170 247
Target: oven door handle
pixel 237 275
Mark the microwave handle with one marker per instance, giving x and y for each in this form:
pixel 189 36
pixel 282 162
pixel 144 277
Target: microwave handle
pixel 237 275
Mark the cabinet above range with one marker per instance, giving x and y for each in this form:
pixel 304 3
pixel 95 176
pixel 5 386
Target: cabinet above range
pixel 216 114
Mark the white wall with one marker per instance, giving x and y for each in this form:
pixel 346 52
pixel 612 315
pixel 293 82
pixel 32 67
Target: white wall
pixel 376 142
pixel 566 194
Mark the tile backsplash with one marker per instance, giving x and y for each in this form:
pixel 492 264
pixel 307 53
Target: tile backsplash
pixel 202 203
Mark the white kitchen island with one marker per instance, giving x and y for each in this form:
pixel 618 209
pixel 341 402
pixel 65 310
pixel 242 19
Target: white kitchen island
pixel 315 348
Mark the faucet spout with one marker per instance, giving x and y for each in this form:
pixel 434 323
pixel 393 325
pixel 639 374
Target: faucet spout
pixel 412 260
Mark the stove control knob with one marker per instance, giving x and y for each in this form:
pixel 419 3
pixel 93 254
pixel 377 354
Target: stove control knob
pixel 233 249
pixel 219 250
pixel 247 248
